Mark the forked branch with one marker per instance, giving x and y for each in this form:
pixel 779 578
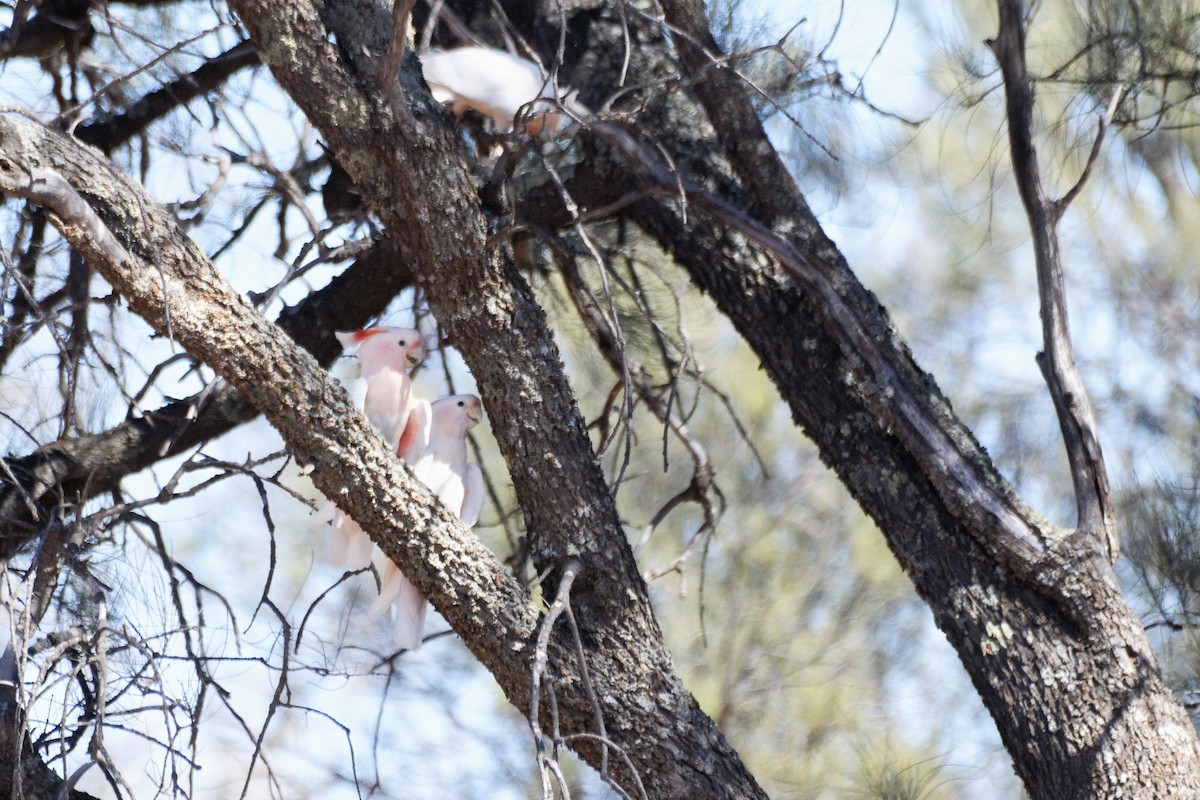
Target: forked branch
pixel 1076 419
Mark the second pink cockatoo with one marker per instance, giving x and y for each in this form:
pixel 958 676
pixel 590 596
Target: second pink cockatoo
pixel 499 85
pixel 444 468
pixel 384 393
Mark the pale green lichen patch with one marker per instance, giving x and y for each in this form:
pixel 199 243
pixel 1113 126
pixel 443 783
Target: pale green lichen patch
pixel 996 638
pixel 350 112
pixel 279 50
pixel 893 481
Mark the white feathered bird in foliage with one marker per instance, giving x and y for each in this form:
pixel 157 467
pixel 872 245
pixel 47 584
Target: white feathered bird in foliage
pixel 444 468
pixel 384 393
pixel 497 84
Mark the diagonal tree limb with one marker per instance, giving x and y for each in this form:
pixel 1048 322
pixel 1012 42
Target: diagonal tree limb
pixel 804 250
pixel 57 24
pixel 649 701
pixel 962 475
pixel 1093 499
pixel 760 255
pixel 73 470
pixel 110 133
pixel 314 415
pixel 1068 615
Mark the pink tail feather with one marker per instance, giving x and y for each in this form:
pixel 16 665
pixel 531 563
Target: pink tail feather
pixel 410 617
pixel 408 603
pixel 389 589
pixel 349 546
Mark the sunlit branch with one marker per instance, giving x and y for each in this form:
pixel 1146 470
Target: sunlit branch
pixel 312 414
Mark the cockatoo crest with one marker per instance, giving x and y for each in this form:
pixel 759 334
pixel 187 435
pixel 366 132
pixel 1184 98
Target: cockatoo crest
pixel 353 338
pixel 377 347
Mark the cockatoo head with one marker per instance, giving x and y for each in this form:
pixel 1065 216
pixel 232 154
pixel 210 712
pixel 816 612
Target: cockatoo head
pixel 457 413
pixel 398 348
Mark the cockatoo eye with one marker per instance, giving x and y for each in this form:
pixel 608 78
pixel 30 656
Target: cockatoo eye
pixel 461 403
pixel 403 343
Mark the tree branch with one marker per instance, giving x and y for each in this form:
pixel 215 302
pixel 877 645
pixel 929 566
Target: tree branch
pixel 411 171
pixel 703 488
pixel 75 469
pixel 790 293
pixel 110 133
pixel 312 413
pixel 532 406
pixel 1093 500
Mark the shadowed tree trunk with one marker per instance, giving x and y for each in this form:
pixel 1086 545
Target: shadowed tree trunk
pixel 1033 611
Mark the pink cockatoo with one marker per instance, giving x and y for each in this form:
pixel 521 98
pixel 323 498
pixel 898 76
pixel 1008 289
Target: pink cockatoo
pixel 384 393
pixel 499 85
pixel 443 467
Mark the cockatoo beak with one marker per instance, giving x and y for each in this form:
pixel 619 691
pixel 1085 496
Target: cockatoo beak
pixel 475 412
pixel 416 355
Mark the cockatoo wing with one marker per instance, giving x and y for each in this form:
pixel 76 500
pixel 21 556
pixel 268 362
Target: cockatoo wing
pixel 441 480
pixel 473 490
pixel 415 437
pixel 349 545
pixel 409 622
pixel 358 392
pixel 440 93
pixel 409 625
pixel 389 393
pixel 491 81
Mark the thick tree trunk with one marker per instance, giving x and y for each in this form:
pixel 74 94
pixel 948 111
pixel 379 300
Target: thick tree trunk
pixel 1065 669
pixel 1033 611
pixel 408 166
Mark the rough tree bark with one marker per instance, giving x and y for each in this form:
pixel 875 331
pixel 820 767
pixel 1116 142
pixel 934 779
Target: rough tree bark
pixel 652 723
pixel 1033 611
pixel 409 168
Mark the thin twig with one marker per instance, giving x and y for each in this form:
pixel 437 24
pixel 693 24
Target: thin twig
pixel 540 660
pixel 1106 118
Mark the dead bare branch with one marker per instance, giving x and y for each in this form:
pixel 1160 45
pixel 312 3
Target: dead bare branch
pixel 1093 500
pixel 703 489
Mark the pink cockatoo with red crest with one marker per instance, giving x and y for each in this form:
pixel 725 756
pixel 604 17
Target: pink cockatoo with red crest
pixel 384 393
pixel 444 468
